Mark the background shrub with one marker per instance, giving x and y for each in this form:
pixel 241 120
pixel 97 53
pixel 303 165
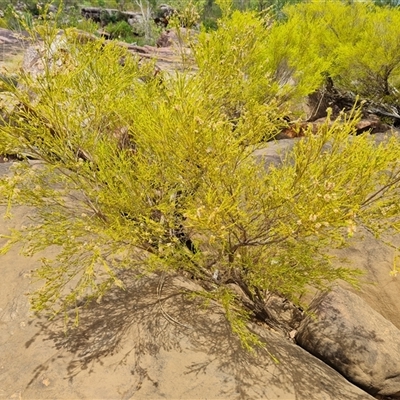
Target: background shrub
pixel 120 30
pixel 356 44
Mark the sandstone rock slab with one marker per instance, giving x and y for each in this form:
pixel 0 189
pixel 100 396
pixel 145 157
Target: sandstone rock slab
pixel 355 340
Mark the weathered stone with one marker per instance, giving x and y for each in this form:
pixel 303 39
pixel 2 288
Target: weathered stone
pixel 105 15
pixel 166 39
pixel 372 124
pixel 275 152
pixel 177 38
pixel 379 288
pixel 355 340
pixel 163 14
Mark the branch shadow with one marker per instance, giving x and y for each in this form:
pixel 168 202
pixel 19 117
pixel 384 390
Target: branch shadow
pixel 135 321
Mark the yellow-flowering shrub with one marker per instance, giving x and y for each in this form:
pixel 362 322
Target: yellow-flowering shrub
pixel 157 174
pixel 357 44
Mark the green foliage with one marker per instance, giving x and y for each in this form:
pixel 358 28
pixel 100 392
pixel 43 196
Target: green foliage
pixel 81 24
pixel 387 3
pixel 158 174
pixel 211 13
pixel 70 16
pixel 275 6
pixel 189 13
pixel 107 17
pixel 357 44
pixel 16 20
pixel 250 67
pixel 120 30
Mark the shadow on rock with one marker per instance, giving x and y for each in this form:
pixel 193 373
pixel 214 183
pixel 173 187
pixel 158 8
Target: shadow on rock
pixel 170 338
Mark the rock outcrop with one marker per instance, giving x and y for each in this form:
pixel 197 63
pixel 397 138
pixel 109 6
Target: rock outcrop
pixel 105 15
pixel 354 339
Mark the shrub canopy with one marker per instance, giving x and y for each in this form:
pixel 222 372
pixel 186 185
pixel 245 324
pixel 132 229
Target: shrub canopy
pixel 357 44
pixel 157 174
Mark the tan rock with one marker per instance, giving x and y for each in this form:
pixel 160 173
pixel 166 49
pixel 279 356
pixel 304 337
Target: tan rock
pixel 354 339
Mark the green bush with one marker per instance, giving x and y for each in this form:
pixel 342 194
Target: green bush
pixel 120 30
pixel 357 44
pixel 158 175
pixel 211 14
pixel 16 20
pixel 387 3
